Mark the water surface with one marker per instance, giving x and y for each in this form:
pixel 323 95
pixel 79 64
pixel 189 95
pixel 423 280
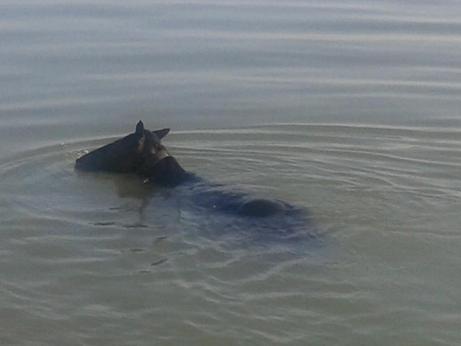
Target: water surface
pixel 349 110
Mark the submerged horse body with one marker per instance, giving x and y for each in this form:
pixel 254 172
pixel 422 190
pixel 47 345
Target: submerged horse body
pixel 142 153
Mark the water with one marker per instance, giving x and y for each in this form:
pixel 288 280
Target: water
pixel 349 109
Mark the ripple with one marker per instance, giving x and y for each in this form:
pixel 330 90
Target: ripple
pixel 119 247
pixel 414 160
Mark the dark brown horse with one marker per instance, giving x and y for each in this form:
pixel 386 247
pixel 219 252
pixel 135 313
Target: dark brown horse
pixel 142 153
pixel 236 212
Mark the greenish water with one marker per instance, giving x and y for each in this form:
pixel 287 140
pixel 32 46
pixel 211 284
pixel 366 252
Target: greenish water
pixel 347 109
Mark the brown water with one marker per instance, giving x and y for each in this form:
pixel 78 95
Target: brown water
pixel 347 109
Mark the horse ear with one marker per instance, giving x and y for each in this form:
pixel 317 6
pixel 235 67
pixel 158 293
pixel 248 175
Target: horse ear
pixel 139 128
pixel 161 133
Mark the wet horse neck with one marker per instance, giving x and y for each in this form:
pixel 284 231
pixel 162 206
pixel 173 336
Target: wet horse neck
pixel 164 170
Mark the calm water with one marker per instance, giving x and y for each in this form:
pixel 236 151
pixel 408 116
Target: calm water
pixel 350 109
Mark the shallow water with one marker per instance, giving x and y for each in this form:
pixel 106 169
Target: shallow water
pixel 348 110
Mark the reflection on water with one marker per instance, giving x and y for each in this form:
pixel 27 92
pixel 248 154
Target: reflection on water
pixel 347 110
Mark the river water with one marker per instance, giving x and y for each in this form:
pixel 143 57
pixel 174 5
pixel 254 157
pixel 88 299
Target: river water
pixel 346 109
